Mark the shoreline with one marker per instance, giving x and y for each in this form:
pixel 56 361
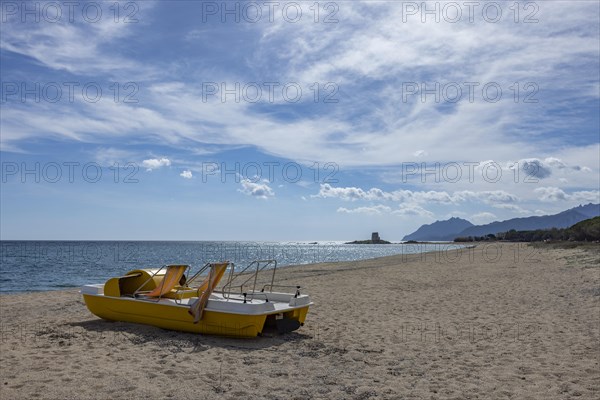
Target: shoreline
pixel 428 325
pixel 71 288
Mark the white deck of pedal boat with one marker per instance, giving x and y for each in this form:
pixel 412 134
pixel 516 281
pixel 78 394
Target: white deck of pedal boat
pixel 277 302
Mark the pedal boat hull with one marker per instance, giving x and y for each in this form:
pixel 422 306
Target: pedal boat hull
pixel 221 316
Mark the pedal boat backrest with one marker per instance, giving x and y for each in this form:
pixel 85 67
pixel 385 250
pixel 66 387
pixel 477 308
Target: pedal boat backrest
pixel 217 270
pixel 171 278
pixel 138 279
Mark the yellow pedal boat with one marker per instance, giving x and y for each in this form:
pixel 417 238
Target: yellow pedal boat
pixel 168 299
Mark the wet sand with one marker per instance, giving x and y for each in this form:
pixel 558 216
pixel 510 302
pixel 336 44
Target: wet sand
pixel 494 322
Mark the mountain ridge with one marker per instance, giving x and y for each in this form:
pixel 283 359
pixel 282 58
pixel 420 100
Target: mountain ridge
pixel 448 230
pixel 432 231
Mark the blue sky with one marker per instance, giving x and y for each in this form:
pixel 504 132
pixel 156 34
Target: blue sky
pixel 187 120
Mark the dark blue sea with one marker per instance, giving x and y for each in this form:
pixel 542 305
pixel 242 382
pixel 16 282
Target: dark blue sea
pixel 52 265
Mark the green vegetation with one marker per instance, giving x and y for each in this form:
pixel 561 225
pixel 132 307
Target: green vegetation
pixel 584 231
pixel 486 238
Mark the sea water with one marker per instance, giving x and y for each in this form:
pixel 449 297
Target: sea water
pixel 51 265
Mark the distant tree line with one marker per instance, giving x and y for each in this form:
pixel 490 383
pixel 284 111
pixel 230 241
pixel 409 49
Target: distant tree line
pixel 486 238
pixel 584 231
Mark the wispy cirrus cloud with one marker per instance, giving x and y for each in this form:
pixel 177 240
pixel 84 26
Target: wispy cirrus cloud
pixel 360 54
pixel 109 156
pixel 75 41
pixel 392 78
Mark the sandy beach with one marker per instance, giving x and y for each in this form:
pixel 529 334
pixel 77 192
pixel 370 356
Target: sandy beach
pixel 499 321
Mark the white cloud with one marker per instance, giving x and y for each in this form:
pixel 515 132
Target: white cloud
pixel 551 194
pixel 187 174
pixel 374 210
pixel 258 190
pixel 362 49
pixel 354 193
pixel 555 163
pixel 156 163
pixel 486 196
pixel 376 194
pixel 536 169
pixel 588 196
pixel 412 210
pixel 359 55
pixel 512 207
pixel 483 218
pixel 58 45
pixel 463 174
pixel 347 193
pixel 402 210
pixel 533 169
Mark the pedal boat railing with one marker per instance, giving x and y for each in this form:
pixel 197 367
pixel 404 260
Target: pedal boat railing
pixel 251 272
pixel 228 290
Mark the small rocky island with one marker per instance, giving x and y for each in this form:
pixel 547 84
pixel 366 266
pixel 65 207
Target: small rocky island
pixel 375 239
